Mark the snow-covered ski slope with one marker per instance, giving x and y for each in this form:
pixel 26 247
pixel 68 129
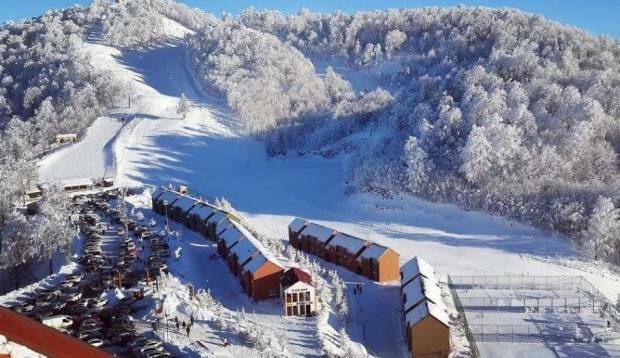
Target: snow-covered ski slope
pixel 210 153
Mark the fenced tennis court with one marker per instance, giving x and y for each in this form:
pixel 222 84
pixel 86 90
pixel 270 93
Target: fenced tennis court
pixel 534 309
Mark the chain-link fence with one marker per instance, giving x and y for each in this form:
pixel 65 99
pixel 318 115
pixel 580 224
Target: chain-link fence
pixel 547 294
pixel 459 307
pixel 533 304
pixel 513 282
pixel 540 333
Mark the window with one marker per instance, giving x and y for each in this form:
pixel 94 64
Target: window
pixel 302 310
pixel 295 297
pixel 295 312
pixel 272 293
pixel 289 311
pixel 308 310
pixel 289 298
pixel 307 296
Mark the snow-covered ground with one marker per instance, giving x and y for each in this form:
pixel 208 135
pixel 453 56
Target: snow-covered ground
pixel 210 153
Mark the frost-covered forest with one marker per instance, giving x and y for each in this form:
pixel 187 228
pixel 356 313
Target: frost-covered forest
pixel 491 109
pixel 497 110
pixel 47 87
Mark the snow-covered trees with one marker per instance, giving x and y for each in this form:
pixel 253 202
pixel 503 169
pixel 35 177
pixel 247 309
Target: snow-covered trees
pixel 132 23
pixel 266 82
pixel 40 237
pixel 604 230
pixel 509 112
pixel 47 86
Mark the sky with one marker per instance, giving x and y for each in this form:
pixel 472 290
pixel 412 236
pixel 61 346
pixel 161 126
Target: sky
pixel 599 17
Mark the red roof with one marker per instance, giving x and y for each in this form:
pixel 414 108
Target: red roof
pixel 43 339
pixel 294 275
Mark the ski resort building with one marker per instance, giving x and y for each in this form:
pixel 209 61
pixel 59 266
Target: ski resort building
pixel 261 277
pixel 162 199
pixel 73 185
pixel 297 293
pixel 258 273
pixel 426 320
pixel 197 217
pixel 363 257
pixel 179 210
pixel 379 263
pixel 217 223
pixel 65 138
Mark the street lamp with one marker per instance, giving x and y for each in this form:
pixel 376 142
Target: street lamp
pixel 166 210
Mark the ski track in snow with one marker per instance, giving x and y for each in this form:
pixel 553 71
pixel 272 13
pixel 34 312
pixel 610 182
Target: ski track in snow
pixel 208 152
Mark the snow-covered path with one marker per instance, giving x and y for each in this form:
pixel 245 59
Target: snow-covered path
pixel 91 157
pixel 208 152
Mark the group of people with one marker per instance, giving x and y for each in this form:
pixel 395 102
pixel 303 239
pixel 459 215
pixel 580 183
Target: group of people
pixel 357 290
pixel 186 325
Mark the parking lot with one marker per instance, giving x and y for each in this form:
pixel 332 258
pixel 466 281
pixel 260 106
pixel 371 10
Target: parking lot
pixel 119 260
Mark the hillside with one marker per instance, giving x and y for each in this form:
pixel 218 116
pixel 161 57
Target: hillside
pixel 485 141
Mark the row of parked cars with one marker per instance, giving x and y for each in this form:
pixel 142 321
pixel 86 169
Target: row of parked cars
pixel 78 305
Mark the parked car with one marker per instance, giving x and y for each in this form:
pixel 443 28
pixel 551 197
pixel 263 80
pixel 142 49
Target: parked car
pixel 59 321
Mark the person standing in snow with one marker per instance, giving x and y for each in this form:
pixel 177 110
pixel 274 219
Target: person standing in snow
pixel 191 319
pixel 187 330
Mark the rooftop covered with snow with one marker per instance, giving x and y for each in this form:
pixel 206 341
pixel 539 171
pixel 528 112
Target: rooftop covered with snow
pixel 319 232
pixel 414 268
pixel 297 225
pixel 350 243
pixel 373 251
pixel 427 308
pixel 185 203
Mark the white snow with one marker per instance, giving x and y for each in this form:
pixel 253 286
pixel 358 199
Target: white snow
pixel 184 203
pixel 91 157
pixel 211 154
pixel 297 224
pixel 348 242
pixel 373 251
pixel 319 232
pixel 414 267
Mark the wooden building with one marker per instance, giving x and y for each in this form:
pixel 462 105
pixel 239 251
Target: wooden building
pixel 294 229
pixel 65 138
pixel 344 249
pixel 216 223
pixel 179 210
pixel 162 199
pixel 297 293
pixel 258 273
pixel 197 218
pixel 73 185
pixel 314 239
pixel 227 239
pixel 379 263
pixel 426 319
pixel 260 277
pixel 363 257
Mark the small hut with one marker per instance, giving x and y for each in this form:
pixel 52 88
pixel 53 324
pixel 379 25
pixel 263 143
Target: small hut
pixel 65 138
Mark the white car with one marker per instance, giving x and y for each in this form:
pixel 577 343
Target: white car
pixel 60 321
pixel 97 342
